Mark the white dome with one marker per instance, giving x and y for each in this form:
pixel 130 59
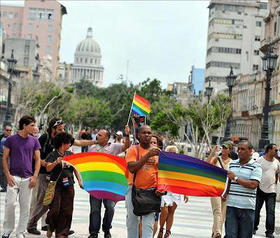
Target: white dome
pixel 88 46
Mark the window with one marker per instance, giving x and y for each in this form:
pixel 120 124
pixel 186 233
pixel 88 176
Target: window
pixel 4 14
pixel 10 15
pixel 81 60
pixel 258 23
pixel 50 27
pixel 255 67
pixel 41 14
pixel 222 64
pixel 49 39
pixel 91 61
pixel 256 52
pixel 86 60
pixel 26 49
pixel 16 15
pixel 25 61
pixel 263 5
pixel 50 16
pixel 30 26
pixel 257 38
pixel 32 13
pixel 14 27
pixel 48 49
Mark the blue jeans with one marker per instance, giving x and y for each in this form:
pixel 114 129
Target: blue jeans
pixel 132 221
pixel 239 222
pixel 95 215
pixel 270 200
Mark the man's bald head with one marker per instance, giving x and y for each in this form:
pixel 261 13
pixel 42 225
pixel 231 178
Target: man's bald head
pixel 142 128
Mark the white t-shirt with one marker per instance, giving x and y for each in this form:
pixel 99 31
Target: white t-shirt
pixel 269 171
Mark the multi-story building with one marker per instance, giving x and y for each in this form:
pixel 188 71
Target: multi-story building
pixel 38 20
pixel 197 78
pixel 87 61
pixel 272 37
pixel 64 73
pixel 234 33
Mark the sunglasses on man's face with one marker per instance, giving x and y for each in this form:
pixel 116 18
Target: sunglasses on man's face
pixel 57 123
pixel 7 130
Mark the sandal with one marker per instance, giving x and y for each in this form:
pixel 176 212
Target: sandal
pixel 167 234
pixel 160 233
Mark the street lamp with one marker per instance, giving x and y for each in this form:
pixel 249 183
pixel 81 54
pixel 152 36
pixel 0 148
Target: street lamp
pixel 11 66
pixel 230 80
pixel 208 91
pixel 269 64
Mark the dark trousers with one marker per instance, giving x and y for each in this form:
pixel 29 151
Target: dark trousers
pixel 3 180
pixel 270 200
pixel 84 149
pixel 59 217
pixel 239 223
pixel 95 215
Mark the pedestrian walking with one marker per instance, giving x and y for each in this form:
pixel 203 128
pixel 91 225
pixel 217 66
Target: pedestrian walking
pixel 141 159
pixel 20 149
pixel 245 175
pixel 103 145
pixel 59 217
pixel 3 138
pixel 266 192
pixel 219 204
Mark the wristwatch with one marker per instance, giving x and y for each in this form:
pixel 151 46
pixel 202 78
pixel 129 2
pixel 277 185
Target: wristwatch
pixel 235 178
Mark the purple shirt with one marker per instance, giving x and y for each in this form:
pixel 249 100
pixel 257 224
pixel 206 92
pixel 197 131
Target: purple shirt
pixel 21 154
pixel 112 149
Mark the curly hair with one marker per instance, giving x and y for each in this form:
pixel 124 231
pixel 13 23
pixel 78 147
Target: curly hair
pixel 62 138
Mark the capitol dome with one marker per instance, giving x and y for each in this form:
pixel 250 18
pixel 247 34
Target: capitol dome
pixel 88 45
pixel 87 61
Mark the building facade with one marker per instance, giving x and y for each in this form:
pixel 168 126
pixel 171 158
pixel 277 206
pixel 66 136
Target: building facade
pixel 235 31
pixel 87 61
pixel 197 78
pixel 38 20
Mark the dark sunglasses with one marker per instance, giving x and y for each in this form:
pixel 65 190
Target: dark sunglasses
pixel 7 130
pixel 57 123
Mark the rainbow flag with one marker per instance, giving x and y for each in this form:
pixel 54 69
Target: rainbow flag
pixel 140 106
pixel 103 174
pixel 190 176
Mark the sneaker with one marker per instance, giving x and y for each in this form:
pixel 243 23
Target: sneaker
pixel 107 234
pixel 5 236
pixel 3 190
pixel 269 235
pixel 34 231
pixel 254 232
pixel 71 232
pixel 44 228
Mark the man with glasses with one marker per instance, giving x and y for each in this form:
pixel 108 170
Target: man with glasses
pixel 103 145
pixel 3 138
pixel 56 126
pixel 267 188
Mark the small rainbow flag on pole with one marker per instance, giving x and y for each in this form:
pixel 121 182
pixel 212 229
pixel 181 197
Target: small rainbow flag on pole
pixel 103 174
pixel 140 106
pixel 189 176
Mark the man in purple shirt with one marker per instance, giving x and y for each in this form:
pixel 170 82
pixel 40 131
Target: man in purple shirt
pixel 21 148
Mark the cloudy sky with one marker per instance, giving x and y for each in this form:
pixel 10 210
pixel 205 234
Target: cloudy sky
pixel 156 39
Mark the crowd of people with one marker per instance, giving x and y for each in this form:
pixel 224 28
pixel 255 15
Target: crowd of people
pixel 29 163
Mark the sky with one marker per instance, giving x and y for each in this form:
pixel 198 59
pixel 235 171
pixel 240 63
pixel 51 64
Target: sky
pixel 139 39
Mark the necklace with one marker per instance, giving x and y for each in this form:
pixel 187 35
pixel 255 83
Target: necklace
pixel 60 153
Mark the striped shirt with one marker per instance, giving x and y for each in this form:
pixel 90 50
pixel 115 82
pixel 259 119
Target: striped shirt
pixel 239 196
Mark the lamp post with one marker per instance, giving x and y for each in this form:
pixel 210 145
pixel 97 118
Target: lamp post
pixel 11 65
pixel 208 91
pixel 269 64
pixel 230 80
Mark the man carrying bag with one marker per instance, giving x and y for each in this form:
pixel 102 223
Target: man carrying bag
pixel 142 161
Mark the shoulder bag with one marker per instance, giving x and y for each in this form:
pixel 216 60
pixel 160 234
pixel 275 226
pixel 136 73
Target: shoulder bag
pixel 144 201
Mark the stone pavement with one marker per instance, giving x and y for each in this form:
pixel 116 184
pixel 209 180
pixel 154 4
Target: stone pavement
pixel 192 220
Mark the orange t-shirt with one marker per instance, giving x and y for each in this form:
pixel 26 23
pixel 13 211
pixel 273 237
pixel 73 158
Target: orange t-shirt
pixel 146 176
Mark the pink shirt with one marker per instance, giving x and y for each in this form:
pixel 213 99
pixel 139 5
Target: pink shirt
pixel 113 148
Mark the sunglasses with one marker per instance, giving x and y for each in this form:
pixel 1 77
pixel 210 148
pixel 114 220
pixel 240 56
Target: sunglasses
pixel 7 130
pixel 59 122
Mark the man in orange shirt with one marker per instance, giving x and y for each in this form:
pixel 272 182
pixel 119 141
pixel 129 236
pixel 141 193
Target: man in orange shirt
pixel 143 160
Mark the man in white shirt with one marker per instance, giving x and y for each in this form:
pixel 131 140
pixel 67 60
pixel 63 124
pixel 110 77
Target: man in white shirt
pixel 267 188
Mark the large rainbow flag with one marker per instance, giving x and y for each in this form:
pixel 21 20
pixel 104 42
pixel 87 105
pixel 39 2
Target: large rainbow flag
pixel 185 175
pixel 103 174
pixel 140 106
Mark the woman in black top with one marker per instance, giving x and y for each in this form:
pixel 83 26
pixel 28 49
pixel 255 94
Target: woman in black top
pixel 59 217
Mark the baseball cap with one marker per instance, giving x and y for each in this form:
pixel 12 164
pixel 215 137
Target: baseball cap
pixel 227 145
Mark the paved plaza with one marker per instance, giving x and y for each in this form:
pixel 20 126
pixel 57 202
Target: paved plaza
pixel 193 219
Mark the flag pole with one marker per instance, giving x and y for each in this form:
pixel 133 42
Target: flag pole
pixel 130 109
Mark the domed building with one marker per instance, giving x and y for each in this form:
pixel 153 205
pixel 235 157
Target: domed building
pixel 87 61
